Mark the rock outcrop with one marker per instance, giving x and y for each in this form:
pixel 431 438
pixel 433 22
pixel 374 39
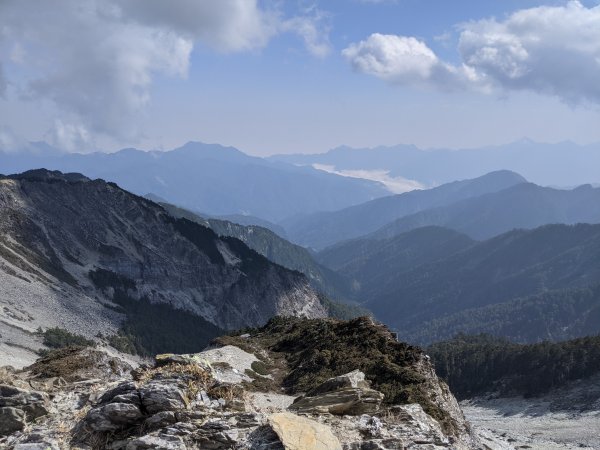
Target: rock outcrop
pixel 195 401
pixel 299 433
pixel 347 394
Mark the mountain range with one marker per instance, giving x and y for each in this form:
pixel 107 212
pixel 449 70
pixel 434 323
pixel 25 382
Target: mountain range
pixel 93 258
pixel 431 283
pixel 208 178
pixel 322 229
pixel 564 164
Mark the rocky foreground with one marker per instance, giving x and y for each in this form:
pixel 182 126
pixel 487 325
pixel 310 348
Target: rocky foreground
pixel 265 389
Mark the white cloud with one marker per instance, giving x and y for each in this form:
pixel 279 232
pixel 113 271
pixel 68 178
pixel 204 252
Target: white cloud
pixel 404 60
pixel 10 142
pixel 69 137
pixel 551 50
pixel 97 59
pixel 396 185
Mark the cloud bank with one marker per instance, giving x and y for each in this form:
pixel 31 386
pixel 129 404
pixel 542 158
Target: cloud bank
pixel 396 185
pixel 96 59
pixel 552 50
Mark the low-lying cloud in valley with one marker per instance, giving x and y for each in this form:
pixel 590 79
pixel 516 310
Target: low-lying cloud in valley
pixel 396 185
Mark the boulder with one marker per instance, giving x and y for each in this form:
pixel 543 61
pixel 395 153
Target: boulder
pixel 347 394
pixel 300 433
pixel 354 379
pixel 161 419
pixel 33 404
pixel 123 390
pixel 162 396
pixel 11 420
pixel 113 416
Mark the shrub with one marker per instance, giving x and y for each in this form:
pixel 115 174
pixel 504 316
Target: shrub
pixel 60 338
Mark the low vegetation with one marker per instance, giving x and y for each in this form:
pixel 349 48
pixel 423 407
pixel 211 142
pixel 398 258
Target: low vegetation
pixel 60 338
pixel 152 328
pixel 315 350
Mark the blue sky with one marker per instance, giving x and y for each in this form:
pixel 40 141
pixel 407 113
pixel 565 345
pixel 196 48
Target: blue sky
pixel 297 76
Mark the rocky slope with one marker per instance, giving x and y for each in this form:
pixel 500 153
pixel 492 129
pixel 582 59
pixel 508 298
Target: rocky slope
pixel 84 255
pixel 230 397
pixel 276 249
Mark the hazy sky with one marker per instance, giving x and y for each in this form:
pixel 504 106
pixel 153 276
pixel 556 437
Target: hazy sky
pixel 297 76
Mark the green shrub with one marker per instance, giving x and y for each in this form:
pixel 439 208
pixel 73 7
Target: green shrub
pixel 260 368
pixel 59 338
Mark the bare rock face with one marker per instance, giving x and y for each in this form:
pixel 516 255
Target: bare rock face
pixel 185 402
pixel 299 433
pixel 347 394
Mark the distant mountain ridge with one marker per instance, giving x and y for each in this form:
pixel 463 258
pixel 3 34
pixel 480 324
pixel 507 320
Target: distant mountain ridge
pixel 323 229
pixel 420 300
pixel 525 205
pixel 210 178
pixel 560 164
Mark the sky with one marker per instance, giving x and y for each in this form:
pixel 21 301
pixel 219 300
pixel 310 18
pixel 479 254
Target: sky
pixel 297 76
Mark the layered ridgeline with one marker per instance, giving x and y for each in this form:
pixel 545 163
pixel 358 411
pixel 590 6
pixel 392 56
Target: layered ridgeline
pixel 323 229
pixel 522 206
pixel 564 163
pixel 211 178
pixel 432 283
pixel 276 249
pixel 90 257
pixel 481 208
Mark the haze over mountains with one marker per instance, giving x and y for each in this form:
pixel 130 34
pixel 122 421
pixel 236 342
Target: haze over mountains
pixel 564 164
pixel 425 261
pixel 209 178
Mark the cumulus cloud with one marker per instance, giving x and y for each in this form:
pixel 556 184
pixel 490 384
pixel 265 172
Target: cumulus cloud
pixel 70 137
pixel 96 59
pixel 403 60
pixel 551 50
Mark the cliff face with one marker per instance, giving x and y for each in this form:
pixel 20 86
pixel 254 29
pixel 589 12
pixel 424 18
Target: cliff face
pixel 68 245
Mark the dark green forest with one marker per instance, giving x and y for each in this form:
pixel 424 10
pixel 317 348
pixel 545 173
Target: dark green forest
pixel 475 365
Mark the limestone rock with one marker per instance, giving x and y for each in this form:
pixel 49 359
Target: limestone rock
pixel 354 379
pixel 347 394
pixel 113 416
pixel 163 442
pixel 299 433
pixel 11 420
pixel 37 446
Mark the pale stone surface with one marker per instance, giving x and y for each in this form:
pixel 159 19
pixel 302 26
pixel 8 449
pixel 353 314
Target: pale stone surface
pixel 300 433
pixel 346 394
